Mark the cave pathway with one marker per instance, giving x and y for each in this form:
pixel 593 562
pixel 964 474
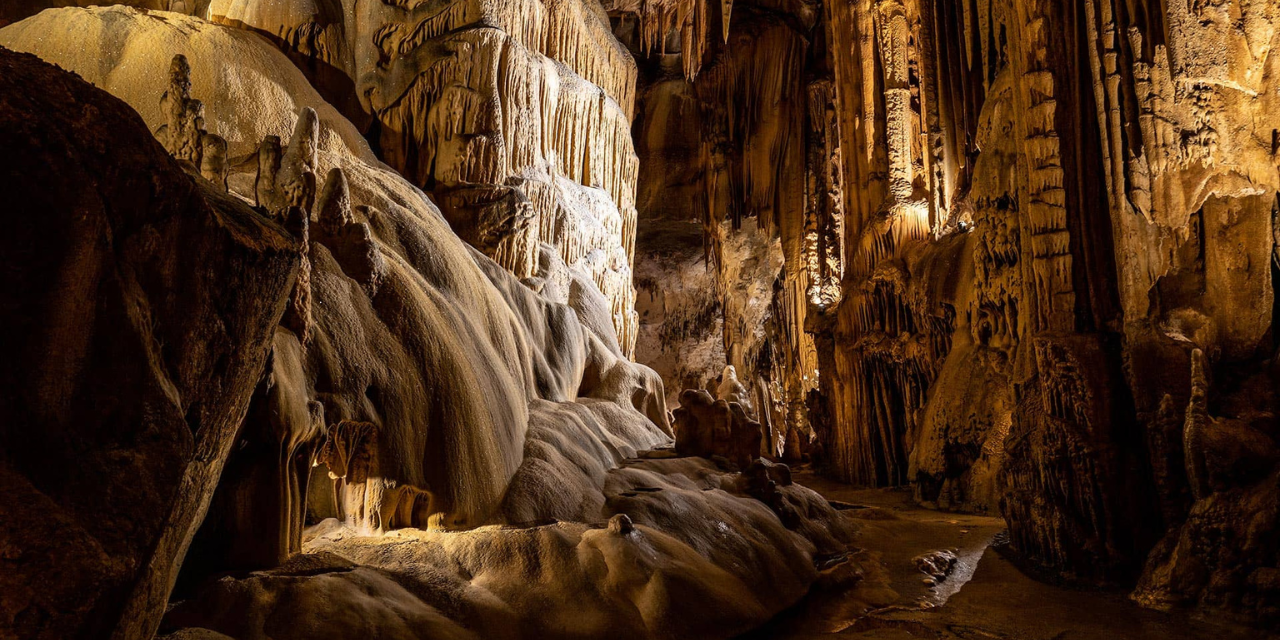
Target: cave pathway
pixel 985 596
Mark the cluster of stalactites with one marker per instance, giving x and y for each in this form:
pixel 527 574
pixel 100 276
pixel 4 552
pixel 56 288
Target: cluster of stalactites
pixel 754 107
pixel 754 129
pixel 658 18
pixel 566 31
pixel 794 363
pixel 496 117
pixel 895 339
pixel 364 499
pixel 897 346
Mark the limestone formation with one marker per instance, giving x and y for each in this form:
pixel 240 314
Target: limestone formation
pixel 990 237
pixel 183 131
pixel 269 157
pixel 358 340
pixel 709 427
pixel 409 381
pixel 527 98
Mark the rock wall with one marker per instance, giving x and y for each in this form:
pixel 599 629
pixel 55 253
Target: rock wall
pixel 139 307
pixel 1072 155
pixel 514 116
pixel 1000 230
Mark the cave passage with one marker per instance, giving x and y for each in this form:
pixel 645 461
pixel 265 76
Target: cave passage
pixel 660 319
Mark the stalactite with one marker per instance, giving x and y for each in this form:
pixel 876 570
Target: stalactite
pixel 496 112
pixel 692 20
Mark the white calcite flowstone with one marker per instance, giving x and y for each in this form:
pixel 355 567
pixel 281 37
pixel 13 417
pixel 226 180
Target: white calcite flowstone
pixel 432 409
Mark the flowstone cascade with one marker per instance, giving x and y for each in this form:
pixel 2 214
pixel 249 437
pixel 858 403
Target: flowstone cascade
pixel 525 318
pixel 396 386
pixel 476 101
pixel 514 117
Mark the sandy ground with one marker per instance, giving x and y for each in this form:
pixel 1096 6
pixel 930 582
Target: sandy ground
pixel 985 597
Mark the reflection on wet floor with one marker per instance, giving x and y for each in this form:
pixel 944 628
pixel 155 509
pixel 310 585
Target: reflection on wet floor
pixel 937 575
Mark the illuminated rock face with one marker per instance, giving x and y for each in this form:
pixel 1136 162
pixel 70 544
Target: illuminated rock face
pixel 520 110
pixel 477 102
pixel 972 246
pixel 395 378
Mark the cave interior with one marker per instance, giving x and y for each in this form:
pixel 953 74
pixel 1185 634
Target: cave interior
pixel 640 319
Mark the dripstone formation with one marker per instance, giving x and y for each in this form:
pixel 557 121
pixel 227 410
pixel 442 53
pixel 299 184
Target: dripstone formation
pixel 481 319
pixel 365 376
pixel 1016 254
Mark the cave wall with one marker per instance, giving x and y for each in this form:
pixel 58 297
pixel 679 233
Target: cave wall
pixel 1079 149
pixel 996 233
pixel 139 308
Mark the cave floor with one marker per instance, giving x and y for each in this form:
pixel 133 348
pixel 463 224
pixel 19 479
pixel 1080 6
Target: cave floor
pixel 986 597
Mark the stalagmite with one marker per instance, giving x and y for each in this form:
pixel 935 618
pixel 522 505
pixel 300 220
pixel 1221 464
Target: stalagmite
pixel 333 209
pixel 1193 431
pixel 183 130
pixel 213 160
pixel 296 180
pixel 269 156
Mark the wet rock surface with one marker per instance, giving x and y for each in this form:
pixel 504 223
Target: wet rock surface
pixel 988 594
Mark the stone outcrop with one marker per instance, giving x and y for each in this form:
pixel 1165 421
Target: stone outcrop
pixel 707 427
pixel 140 304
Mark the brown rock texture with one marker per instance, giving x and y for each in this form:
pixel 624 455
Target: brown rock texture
pixel 972 247
pixel 139 308
pixel 1019 255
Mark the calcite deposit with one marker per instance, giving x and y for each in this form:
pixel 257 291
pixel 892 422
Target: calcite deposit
pixel 393 378
pixel 1021 259
pixel 527 318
